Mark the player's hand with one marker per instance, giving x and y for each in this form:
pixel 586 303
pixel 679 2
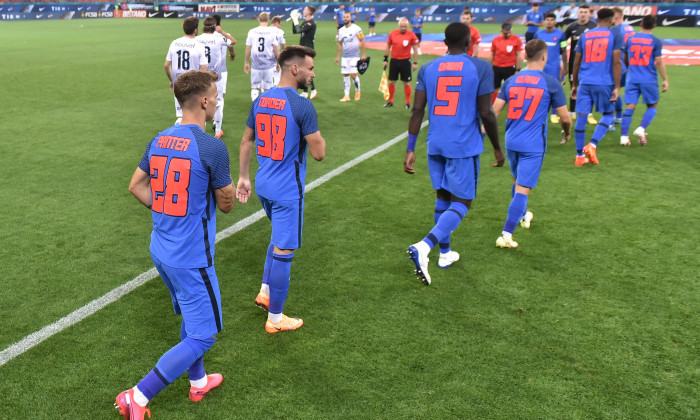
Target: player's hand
pixel 243 190
pixel 219 30
pixel 232 57
pixel 414 67
pixel 246 68
pixel 664 86
pixel 615 95
pixel 564 137
pixel 574 91
pixel 408 163
pixel 500 159
pixel 385 63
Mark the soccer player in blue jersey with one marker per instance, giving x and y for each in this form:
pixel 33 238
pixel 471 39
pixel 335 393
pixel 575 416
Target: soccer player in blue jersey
pixel 645 63
pixel 555 53
pixel 596 81
pixel 457 91
pixel 417 27
pixel 281 126
pixel 625 31
pixel 183 177
pixel 533 20
pixel 529 95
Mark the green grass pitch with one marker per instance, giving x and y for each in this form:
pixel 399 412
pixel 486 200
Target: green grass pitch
pixel 594 316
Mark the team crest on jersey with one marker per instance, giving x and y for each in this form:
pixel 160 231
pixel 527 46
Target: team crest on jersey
pixel 405 43
pixel 509 48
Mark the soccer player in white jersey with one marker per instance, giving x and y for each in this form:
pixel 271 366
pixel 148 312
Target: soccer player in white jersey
pixel 276 23
pixel 261 52
pixel 215 45
pixel 224 71
pixel 185 54
pixel 350 41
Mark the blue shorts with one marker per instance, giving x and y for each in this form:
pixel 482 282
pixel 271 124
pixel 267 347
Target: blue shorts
pixel 650 92
pixel 195 294
pixel 459 176
pixel 287 217
pixel 525 167
pixel 589 95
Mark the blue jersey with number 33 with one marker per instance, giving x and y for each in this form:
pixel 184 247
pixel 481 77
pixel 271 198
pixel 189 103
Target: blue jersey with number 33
pixel 281 119
pixel 186 165
pixel 452 84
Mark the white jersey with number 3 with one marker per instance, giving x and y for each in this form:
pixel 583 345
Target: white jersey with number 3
pixel 214 47
pixel 261 40
pixel 186 54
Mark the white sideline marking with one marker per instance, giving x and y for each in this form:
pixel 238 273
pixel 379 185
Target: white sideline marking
pixel 78 315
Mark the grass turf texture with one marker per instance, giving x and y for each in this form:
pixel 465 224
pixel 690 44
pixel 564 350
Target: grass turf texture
pixel 594 316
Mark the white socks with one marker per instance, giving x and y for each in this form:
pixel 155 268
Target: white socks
pixel 357 83
pixel 265 288
pixel 139 398
pixel 254 93
pixel 346 85
pixel 199 383
pixel 274 318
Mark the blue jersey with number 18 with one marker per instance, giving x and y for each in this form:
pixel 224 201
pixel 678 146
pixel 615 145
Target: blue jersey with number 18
pixel 186 165
pixel 530 94
pixel 596 47
pixel 452 84
pixel 281 119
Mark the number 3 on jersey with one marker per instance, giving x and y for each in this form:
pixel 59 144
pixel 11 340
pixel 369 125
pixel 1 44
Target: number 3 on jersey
pixel 169 183
pixel 271 130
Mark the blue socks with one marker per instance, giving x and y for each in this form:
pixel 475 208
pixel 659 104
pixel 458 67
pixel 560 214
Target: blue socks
pixel 618 107
pixel 196 371
pixel 648 117
pixel 626 122
pixel 446 224
pixel 580 133
pixel 440 207
pixel 268 264
pixel 173 364
pixel 602 128
pixel 279 281
pixel 516 211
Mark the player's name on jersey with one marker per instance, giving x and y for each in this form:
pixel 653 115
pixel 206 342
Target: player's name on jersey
pixel 272 103
pixel 174 143
pixel 185 44
pixel 528 80
pixel 451 66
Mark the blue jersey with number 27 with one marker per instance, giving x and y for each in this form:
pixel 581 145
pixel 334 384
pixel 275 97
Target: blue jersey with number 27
pixel 452 84
pixel 186 165
pixel 281 119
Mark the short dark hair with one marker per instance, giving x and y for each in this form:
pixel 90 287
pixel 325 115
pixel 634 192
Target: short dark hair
pixel 584 6
pixel 311 9
pixel 506 26
pixel 534 49
pixel 276 19
pixel 457 35
pixel 209 24
pixel 649 22
pixel 467 12
pixel 618 11
pixel 218 19
pixel 190 25
pixel 550 15
pixel 294 51
pixel 191 83
pixel 605 14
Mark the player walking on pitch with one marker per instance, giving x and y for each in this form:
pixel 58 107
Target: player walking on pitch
pixel 597 66
pixel 276 25
pixel 185 53
pixel 281 126
pixel 350 42
pixel 645 63
pixel 529 95
pixel 457 91
pixel 261 52
pixel 183 177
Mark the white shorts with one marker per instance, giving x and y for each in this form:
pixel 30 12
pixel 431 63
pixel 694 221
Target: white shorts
pixel 178 110
pixel 349 65
pixel 220 89
pixel 224 79
pixel 276 75
pixel 261 79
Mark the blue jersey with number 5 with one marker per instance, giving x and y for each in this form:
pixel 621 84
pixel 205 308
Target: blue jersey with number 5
pixel 596 47
pixel 452 84
pixel 281 119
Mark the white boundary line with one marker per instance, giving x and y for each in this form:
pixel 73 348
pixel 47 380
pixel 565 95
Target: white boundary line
pixel 78 315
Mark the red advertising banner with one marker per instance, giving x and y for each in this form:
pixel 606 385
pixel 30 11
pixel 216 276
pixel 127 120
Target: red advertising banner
pixel 141 14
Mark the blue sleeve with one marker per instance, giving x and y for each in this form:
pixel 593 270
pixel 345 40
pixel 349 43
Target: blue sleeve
pixel 420 80
pixel 251 116
pixel 485 77
pixel 145 164
pixel 304 114
pixel 556 92
pixel 213 154
pixel 617 40
pixel 658 45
